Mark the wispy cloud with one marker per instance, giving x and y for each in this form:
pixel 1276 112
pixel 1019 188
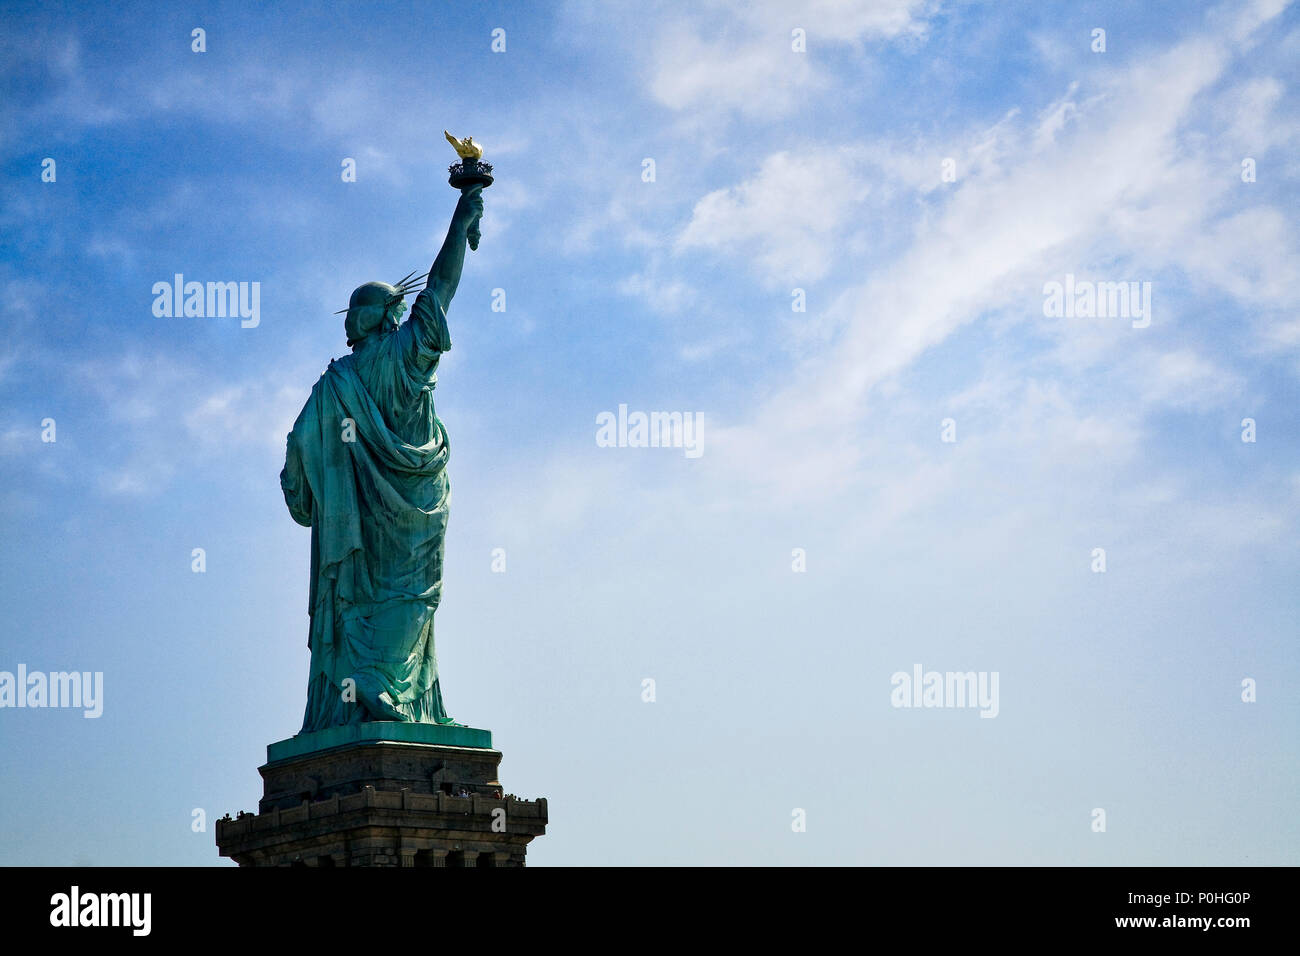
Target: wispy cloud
pixel 752 67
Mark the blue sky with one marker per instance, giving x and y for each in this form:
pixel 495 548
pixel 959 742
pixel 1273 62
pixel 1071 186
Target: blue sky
pixel 775 170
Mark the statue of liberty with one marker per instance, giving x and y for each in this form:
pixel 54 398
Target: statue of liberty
pixel 366 470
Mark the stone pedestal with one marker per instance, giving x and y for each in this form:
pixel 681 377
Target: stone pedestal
pixel 384 794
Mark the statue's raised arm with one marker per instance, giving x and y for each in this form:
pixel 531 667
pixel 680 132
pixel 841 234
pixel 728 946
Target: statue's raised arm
pixel 444 274
pixel 424 335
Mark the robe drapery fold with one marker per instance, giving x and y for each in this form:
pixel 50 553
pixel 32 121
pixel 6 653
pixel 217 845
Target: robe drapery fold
pixel 365 468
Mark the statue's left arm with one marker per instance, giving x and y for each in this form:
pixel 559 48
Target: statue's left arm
pixel 294 484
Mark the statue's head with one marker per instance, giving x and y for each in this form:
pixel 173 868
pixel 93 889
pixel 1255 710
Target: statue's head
pixel 374 307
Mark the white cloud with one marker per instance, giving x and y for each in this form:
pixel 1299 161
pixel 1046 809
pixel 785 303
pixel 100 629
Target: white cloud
pixel 788 218
pixel 1184 378
pixel 750 67
pixel 1115 184
pixel 669 295
pixel 258 413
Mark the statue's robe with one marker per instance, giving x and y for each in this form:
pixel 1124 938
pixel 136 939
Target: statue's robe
pixel 377 508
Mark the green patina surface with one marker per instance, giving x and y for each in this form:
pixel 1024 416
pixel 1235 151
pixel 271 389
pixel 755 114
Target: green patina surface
pixel 379 730
pixel 366 469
